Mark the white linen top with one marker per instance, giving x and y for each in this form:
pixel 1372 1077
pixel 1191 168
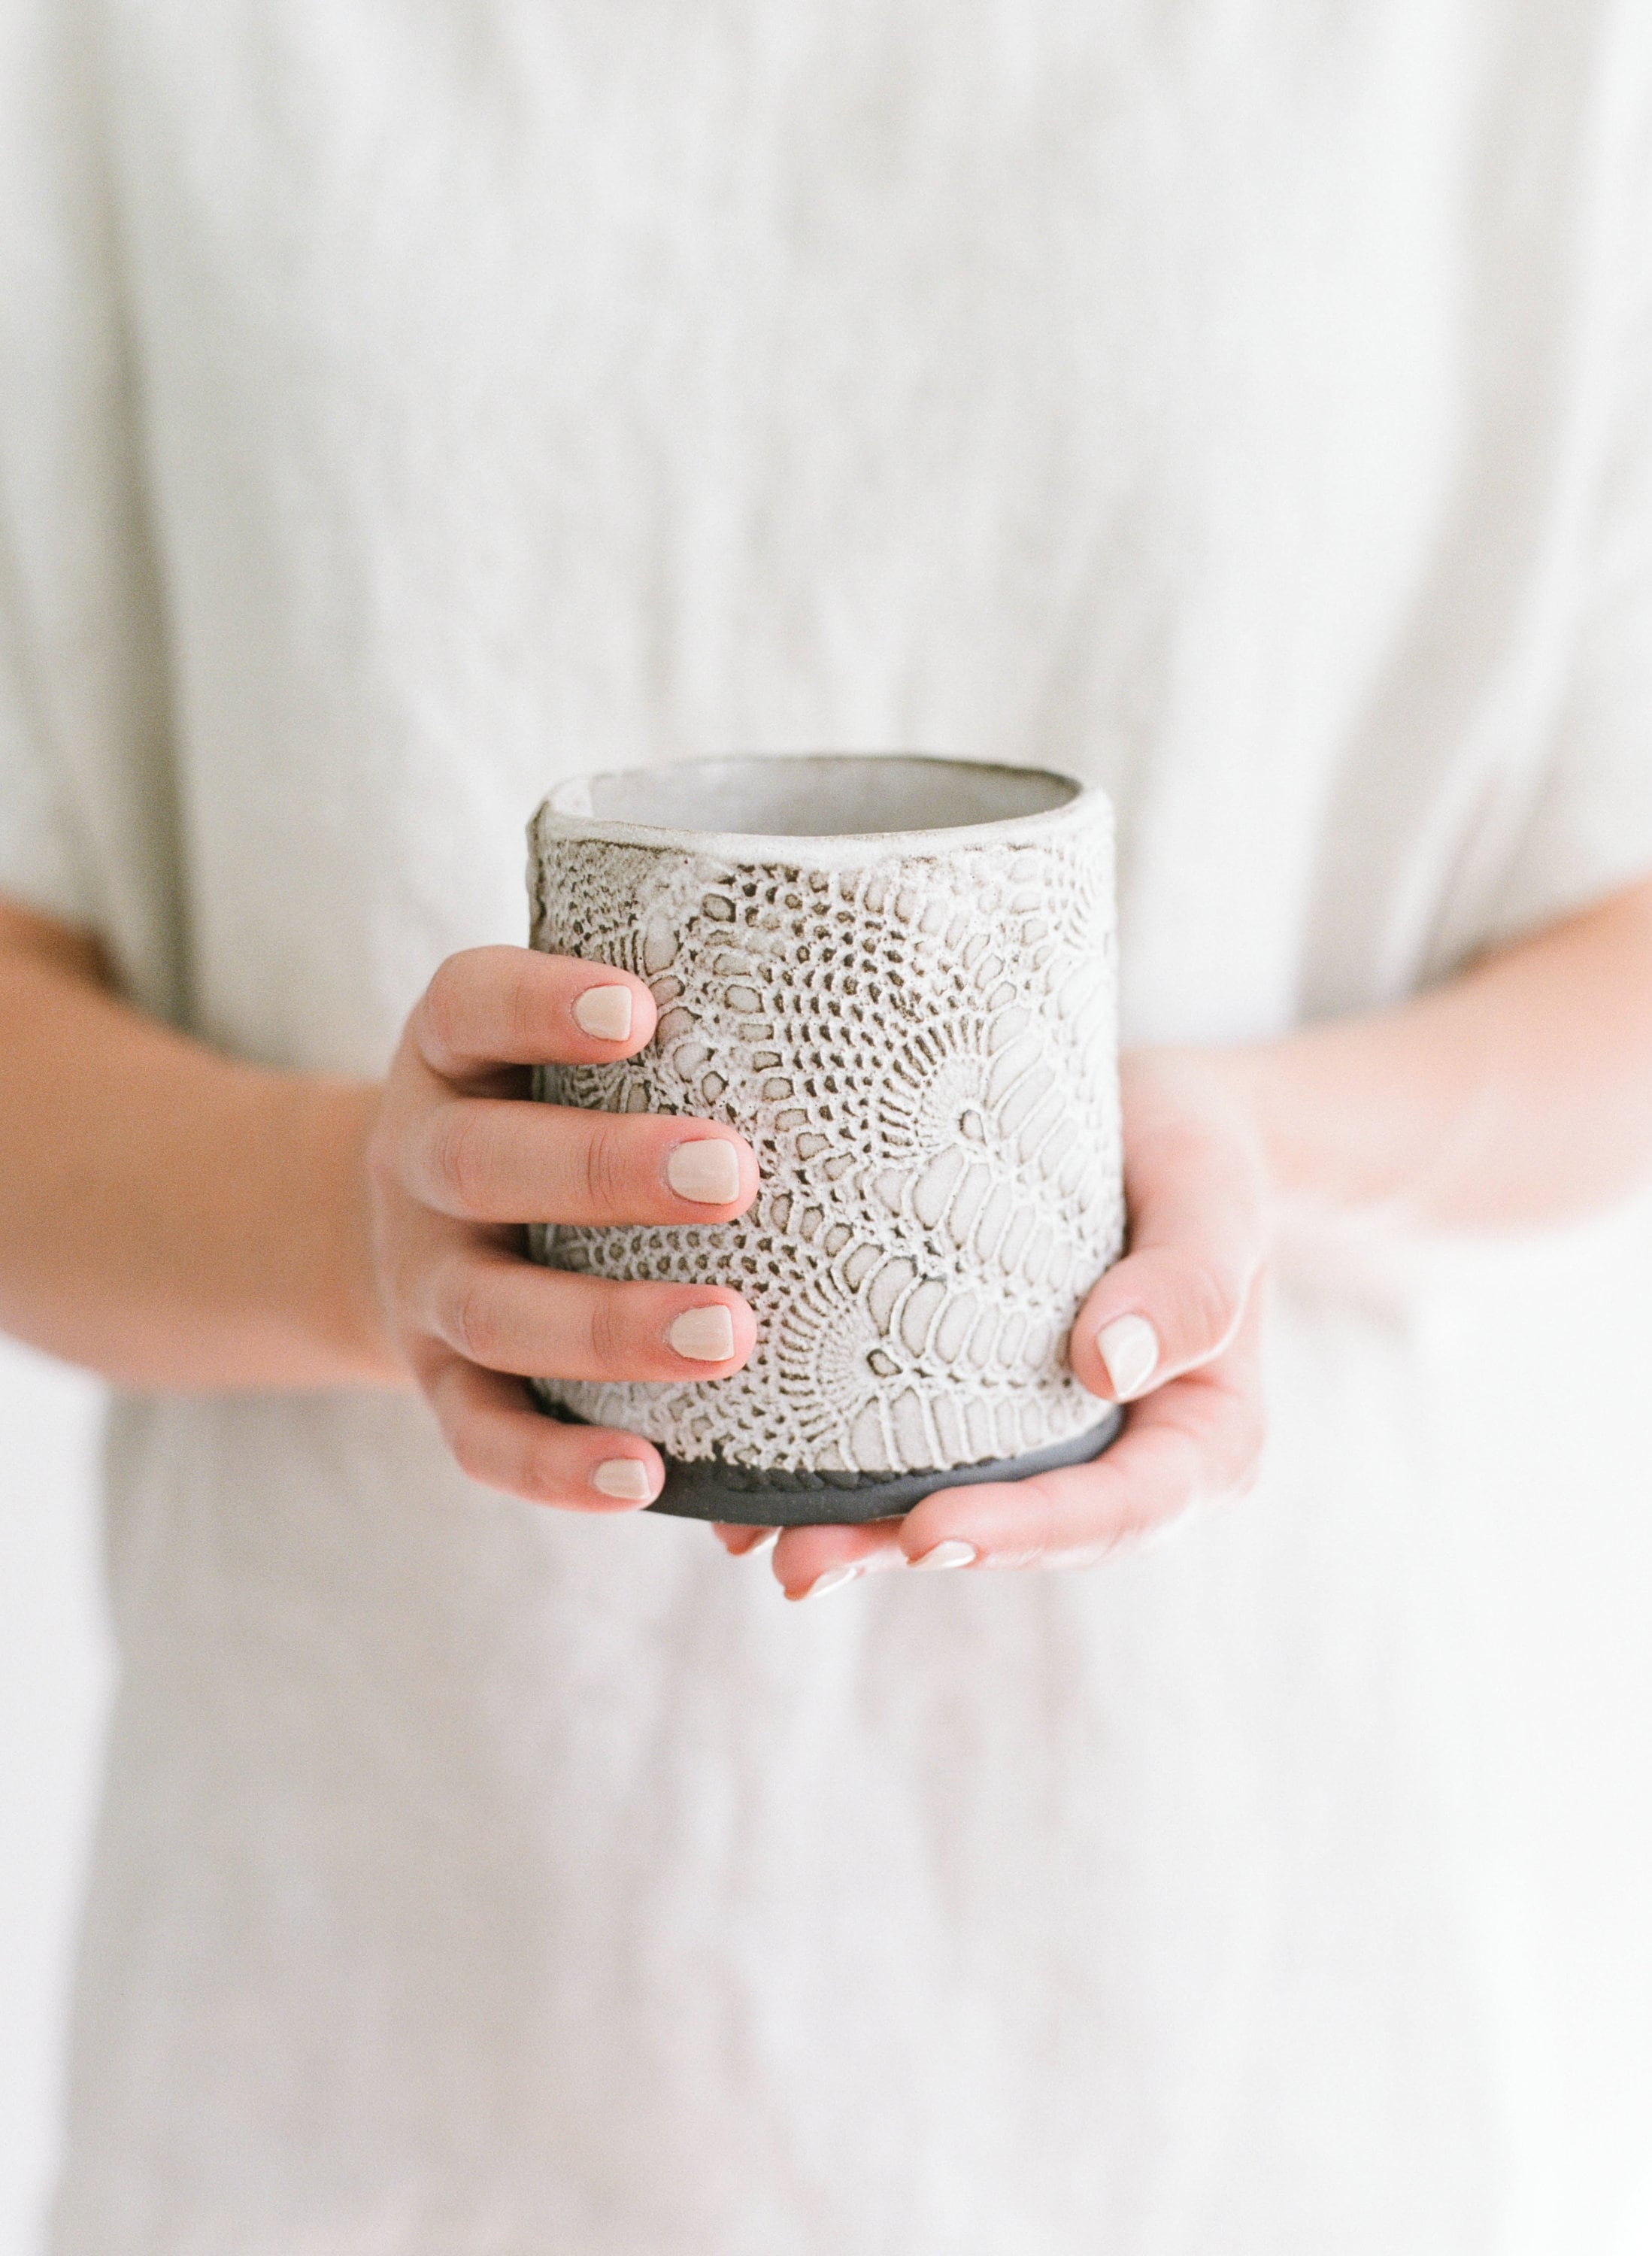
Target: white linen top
pixel 403 406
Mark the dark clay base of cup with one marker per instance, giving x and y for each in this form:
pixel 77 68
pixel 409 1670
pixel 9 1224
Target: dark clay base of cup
pixel 707 1489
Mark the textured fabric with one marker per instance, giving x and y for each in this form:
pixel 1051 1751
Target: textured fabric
pixel 405 407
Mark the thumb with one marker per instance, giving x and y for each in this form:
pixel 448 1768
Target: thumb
pixel 1198 1234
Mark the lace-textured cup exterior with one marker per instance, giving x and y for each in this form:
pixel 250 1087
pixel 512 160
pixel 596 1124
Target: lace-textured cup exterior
pixel 916 1032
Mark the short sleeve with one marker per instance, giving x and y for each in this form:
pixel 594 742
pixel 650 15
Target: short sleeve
pixel 1586 828
pixel 1589 828
pixel 42 862
pixel 88 828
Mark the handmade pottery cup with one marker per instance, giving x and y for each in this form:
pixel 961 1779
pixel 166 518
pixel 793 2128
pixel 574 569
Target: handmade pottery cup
pixel 895 976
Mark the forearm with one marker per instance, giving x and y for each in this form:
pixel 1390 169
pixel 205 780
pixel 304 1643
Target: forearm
pixel 177 1219
pixel 1516 1096
pixel 171 1217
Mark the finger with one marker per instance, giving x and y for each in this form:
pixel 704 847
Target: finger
pixel 491 1006
pixel 1192 1442
pixel 809 1562
pixel 490 1159
pixel 508 1314
pixel 498 1439
pixel 1199 1233
pixel 742 1542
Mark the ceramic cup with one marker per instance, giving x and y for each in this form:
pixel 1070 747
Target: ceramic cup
pixel 895 976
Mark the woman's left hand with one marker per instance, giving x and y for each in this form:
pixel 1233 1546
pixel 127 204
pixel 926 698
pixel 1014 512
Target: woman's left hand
pixel 1172 1329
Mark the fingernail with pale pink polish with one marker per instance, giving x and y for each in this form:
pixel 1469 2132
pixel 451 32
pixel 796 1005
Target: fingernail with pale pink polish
pixel 704 1334
pixel 605 1012
pixel 950 1553
pixel 628 1478
pixel 833 1579
pixel 707 1171
pixel 1130 1349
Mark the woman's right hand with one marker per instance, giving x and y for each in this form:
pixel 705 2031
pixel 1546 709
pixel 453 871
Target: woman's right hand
pixel 460 1159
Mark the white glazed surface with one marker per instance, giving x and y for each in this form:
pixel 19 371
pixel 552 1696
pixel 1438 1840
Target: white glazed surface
pixel 824 806
pixel 919 1040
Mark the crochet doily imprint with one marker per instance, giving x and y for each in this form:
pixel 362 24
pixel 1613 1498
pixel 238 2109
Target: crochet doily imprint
pixel 922 1053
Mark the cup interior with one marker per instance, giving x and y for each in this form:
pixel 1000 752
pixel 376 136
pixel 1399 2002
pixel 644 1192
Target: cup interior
pixel 816 795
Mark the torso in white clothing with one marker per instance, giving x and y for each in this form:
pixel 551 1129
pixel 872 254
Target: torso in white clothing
pixel 1240 407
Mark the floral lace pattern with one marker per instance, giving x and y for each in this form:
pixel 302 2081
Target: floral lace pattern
pixel 922 1053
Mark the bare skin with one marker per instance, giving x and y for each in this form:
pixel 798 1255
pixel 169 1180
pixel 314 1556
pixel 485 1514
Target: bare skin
pixel 176 1219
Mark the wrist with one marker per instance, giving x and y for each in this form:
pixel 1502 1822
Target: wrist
pixel 1324 1116
pixel 337 1282
pixel 1210 1093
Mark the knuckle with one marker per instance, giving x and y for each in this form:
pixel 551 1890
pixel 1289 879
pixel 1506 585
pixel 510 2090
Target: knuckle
pixel 1213 1303
pixel 517 1469
pixel 531 1467
pixel 541 1481
pixel 469 1316
pixel 607 1333
pixel 459 1157
pixel 605 1166
pixel 522 1003
pixel 522 1472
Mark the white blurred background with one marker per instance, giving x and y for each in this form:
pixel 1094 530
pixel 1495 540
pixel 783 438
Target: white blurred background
pixel 1546 1350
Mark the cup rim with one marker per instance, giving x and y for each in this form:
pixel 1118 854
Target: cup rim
pixel 1088 803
